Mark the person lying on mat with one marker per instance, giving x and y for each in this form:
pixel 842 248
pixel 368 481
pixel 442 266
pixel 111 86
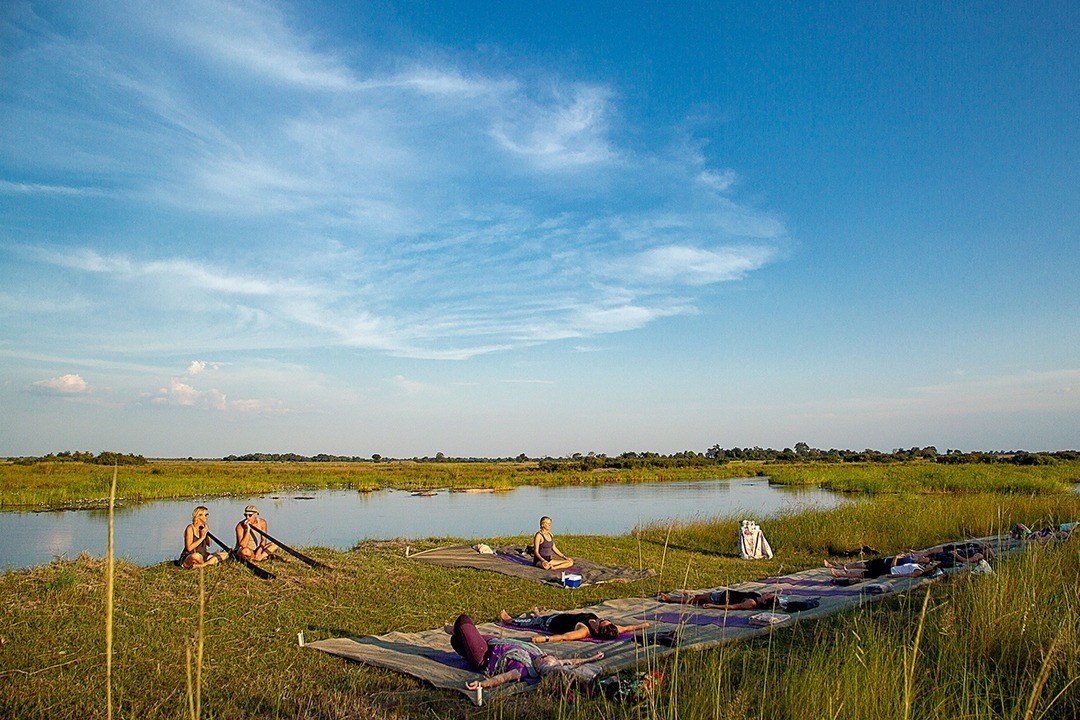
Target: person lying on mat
pixel 505 660
pixel 906 565
pixel 569 626
pixel 545 554
pixel 963 554
pixel 196 551
pixel 724 599
pixel 250 543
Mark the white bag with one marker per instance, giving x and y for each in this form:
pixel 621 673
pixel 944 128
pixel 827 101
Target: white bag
pixel 752 542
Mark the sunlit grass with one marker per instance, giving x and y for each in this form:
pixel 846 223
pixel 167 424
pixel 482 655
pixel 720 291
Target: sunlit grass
pixel 1003 646
pixel 929 477
pixel 62 484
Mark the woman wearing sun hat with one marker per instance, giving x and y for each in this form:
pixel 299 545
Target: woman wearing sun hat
pixel 251 544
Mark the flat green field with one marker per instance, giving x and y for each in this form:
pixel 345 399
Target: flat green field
pixel 1001 646
pixel 71 484
pixel 75 484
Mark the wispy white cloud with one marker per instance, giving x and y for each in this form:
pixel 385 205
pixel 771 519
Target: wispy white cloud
pixel 570 132
pixel 411 207
pixel 25 188
pixel 682 265
pixel 410 387
pixel 718 180
pixel 255 39
pixel 973 396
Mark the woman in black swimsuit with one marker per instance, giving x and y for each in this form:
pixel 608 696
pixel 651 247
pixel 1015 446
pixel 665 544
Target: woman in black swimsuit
pixel 545 554
pixel 724 599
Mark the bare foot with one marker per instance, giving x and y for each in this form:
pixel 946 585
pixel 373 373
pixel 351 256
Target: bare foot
pixel 505 616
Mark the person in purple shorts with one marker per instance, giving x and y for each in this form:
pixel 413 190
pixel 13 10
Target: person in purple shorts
pixel 506 660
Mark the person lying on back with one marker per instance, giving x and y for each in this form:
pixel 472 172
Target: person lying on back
pixel 569 626
pixel 909 564
pixel 724 599
pixel 963 554
pixel 504 660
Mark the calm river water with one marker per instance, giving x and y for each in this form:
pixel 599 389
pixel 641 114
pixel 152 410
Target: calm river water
pixel 152 532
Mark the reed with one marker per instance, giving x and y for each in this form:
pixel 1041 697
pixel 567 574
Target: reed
pixel 110 565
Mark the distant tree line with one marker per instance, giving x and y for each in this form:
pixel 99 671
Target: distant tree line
pixel 802 452
pixel 102 458
pixel 627 460
pixel 293 457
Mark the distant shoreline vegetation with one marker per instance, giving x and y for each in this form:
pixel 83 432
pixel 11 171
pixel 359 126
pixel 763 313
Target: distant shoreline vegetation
pixel 102 458
pixel 716 455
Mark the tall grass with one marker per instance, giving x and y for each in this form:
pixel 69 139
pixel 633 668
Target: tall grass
pixel 66 484
pixel 929 477
pixel 110 565
pixel 888 524
pixel 1003 646
pixel 971 647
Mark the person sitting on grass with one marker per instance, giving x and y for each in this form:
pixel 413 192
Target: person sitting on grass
pixel 251 543
pixel 905 565
pixel 724 599
pixel 545 554
pixel 505 660
pixel 196 553
pixel 569 626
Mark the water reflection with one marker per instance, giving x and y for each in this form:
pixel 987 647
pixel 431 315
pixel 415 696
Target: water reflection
pixel 150 533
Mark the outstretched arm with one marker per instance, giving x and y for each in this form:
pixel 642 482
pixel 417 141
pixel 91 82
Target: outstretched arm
pixel 579 633
pixel 494 680
pixel 631 628
pixel 573 662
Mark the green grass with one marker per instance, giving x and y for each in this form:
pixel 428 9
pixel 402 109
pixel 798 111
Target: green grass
pixel 929 477
pixel 73 484
pixel 984 641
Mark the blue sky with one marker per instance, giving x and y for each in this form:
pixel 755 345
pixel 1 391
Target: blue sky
pixel 498 228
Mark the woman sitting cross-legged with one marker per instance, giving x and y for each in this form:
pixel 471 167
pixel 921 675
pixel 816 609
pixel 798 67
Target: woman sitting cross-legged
pixel 545 554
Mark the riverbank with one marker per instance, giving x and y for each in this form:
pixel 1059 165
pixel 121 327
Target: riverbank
pixel 59 485
pixel 989 647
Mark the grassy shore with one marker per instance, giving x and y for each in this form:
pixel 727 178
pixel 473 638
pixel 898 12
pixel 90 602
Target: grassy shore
pixel 74 484
pixel 929 477
pixel 1003 646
